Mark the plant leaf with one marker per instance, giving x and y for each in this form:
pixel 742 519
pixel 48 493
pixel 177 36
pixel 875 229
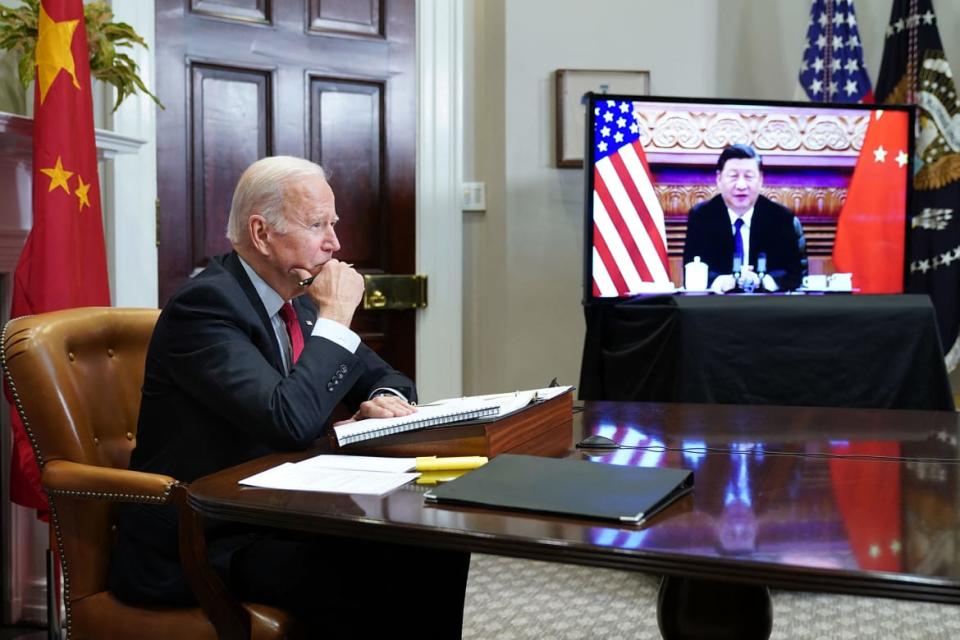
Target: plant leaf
pixel 18 33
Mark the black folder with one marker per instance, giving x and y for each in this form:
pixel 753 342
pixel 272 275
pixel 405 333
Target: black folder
pixel 568 487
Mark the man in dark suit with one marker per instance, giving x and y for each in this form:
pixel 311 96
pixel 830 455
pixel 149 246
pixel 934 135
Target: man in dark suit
pixel 746 240
pixel 244 361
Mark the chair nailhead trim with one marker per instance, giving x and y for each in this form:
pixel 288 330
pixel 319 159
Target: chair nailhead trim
pixel 99 495
pixel 164 498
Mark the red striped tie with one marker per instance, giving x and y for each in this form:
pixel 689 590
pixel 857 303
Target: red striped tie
pixel 289 315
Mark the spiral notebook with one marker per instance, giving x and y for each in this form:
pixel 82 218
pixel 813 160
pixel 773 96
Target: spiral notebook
pixel 425 417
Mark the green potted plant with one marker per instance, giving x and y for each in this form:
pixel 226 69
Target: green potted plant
pixel 105 38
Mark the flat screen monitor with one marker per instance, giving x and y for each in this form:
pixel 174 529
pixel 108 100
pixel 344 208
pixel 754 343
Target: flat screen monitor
pixel 824 190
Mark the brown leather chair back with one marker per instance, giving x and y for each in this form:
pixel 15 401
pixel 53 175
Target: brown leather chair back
pixel 75 377
pixel 80 371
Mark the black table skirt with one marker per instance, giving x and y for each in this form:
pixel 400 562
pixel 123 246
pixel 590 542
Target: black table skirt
pixel 868 351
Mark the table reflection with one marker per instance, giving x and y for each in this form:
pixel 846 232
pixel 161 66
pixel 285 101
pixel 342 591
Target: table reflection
pixel 833 504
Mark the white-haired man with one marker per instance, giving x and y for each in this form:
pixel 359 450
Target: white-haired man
pixel 245 361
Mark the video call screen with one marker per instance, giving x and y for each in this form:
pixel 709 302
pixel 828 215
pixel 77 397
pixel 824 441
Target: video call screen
pixel 842 170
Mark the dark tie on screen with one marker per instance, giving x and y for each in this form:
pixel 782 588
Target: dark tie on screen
pixel 289 315
pixel 738 257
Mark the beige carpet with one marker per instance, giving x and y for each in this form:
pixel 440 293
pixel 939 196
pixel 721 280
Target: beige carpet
pixel 510 599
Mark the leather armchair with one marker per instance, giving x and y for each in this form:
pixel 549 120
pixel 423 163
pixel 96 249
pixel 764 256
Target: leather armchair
pixel 75 378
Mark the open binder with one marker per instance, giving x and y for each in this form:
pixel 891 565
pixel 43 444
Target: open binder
pixel 543 428
pixel 568 487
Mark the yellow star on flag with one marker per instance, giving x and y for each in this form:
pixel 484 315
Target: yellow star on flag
pixel 53 51
pixel 58 176
pixel 81 193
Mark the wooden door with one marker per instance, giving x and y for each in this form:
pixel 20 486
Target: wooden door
pixel 330 80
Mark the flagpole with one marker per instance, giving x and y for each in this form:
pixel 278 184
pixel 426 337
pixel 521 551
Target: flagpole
pixel 912 53
pixel 828 52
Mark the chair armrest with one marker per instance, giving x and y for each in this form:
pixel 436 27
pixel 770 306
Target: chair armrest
pixel 74 479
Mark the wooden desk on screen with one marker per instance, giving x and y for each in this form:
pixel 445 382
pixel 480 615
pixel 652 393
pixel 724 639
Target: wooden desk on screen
pixel 867 351
pixel 760 515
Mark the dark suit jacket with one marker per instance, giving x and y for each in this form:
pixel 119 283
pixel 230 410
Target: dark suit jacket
pixel 774 230
pixel 215 395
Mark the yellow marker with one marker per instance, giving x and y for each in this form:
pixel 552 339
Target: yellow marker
pixel 433 463
pixel 434 477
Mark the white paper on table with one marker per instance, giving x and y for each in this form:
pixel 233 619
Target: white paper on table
pixel 515 401
pixel 291 477
pixel 549 393
pixel 359 463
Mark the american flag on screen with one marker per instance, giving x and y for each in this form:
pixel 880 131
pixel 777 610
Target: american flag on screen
pixel 629 238
pixel 832 68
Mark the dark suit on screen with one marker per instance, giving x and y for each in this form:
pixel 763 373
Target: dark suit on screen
pixel 774 230
pixel 214 395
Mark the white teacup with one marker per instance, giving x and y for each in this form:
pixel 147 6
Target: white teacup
pixel 815 282
pixel 840 282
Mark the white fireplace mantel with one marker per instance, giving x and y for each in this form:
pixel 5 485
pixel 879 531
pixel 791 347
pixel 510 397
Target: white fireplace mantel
pixel 16 154
pixel 19 129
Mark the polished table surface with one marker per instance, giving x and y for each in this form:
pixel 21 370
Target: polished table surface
pixel 842 500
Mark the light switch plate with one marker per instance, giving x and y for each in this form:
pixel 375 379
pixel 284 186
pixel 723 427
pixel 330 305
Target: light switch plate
pixel 474 196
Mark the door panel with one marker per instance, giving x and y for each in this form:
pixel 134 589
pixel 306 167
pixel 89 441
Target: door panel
pixel 231 113
pixel 347 133
pixel 242 10
pixel 358 17
pixel 331 80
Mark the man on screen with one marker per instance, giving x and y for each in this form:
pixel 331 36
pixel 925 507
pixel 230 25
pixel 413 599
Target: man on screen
pixel 747 241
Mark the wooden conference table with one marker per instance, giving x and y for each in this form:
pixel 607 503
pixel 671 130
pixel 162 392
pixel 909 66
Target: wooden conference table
pixel 853 501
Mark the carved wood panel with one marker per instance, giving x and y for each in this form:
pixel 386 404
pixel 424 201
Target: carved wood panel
pixel 697 130
pixel 230 129
pixel 347 138
pixel 347 17
pixel 258 11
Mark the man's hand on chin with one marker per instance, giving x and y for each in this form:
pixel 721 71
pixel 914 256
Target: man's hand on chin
pixel 337 290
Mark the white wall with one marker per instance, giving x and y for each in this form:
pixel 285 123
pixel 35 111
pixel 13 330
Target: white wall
pixel 131 232
pixel 439 170
pixel 523 322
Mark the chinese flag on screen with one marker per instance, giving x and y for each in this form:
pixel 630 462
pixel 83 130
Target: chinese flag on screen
pixel 64 262
pixel 871 228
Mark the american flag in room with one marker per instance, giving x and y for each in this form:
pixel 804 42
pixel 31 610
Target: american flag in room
pixel 832 68
pixel 629 237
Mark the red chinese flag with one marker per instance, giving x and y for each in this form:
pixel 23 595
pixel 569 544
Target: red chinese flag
pixel 868 499
pixel 871 229
pixel 64 262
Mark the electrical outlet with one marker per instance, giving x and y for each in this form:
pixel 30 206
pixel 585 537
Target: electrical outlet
pixel 474 196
